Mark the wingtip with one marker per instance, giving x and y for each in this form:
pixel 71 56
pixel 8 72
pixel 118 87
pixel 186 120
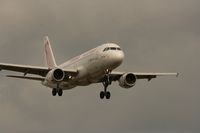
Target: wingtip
pixel 177 74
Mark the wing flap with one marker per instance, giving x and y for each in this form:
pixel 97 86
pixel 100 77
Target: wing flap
pixel 24 77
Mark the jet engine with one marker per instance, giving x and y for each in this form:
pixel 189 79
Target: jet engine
pixel 127 80
pixel 56 75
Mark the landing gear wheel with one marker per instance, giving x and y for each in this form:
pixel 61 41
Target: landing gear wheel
pixel 60 92
pixel 102 94
pixel 54 92
pixel 108 95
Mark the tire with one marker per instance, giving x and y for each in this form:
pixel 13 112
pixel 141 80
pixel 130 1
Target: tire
pixel 108 95
pixel 54 92
pixel 60 92
pixel 102 94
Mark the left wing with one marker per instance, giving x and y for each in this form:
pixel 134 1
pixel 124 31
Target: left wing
pixel 116 75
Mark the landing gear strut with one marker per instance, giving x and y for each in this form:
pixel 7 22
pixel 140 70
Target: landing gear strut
pixel 57 90
pixel 106 83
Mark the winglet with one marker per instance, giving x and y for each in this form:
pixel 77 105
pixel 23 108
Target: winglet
pixel 49 54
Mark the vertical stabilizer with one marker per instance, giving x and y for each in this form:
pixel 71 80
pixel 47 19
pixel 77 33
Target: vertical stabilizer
pixel 49 54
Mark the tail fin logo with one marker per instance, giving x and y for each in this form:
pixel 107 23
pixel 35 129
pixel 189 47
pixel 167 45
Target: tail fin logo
pixel 49 54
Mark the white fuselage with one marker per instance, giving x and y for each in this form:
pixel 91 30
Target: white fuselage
pixel 91 66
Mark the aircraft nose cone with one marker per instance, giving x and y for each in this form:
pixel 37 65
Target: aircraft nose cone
pixel 118 58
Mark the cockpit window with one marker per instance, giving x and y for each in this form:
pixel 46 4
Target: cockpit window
pixel 112 48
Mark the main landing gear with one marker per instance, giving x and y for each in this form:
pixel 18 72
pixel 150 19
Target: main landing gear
pixel 57 91
pixel 105 93
pixel 106 83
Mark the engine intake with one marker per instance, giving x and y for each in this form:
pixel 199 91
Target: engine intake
pixel 127 80
pixel 56 75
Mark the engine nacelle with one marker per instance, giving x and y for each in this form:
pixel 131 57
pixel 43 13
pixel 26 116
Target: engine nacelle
pixel 127 80
pixel 56 75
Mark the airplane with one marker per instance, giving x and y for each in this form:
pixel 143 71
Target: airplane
pixel 93 66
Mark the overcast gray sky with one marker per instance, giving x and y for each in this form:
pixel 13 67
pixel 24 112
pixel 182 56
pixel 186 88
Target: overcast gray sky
pixel 156 36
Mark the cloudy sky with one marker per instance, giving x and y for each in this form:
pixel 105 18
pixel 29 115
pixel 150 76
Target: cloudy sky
pixel 156 36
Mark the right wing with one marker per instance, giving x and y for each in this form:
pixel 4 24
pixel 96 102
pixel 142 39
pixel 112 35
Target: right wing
pixel 25 77
pixel 41 71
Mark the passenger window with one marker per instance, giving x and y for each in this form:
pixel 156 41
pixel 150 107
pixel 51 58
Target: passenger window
pixel 118 48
